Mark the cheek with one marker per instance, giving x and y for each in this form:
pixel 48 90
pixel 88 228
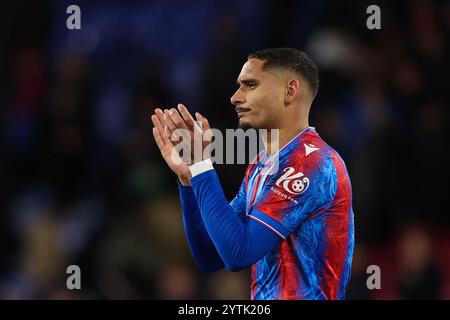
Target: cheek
pixel 273 95
pixel 270 100
pixel 266 102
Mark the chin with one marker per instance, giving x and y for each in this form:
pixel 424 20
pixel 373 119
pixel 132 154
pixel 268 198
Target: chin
pixel 245 125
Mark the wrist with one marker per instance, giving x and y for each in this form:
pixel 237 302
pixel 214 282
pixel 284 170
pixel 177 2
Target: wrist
pixel 200 167
pixel 185 179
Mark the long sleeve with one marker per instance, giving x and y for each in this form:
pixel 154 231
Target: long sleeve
pixel 200 244
pixel 239 242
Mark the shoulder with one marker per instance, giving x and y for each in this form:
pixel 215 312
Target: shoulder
pixel 311 153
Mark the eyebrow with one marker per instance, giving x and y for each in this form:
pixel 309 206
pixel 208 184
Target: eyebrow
pixel 247 81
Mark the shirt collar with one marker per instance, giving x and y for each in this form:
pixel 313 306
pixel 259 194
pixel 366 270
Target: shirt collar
pixel 286 148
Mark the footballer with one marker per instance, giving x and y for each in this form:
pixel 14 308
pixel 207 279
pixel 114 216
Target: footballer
pixel 291 220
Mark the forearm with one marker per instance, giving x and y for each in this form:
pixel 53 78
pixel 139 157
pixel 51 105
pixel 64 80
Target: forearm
pixel 200 244
pixel 239 243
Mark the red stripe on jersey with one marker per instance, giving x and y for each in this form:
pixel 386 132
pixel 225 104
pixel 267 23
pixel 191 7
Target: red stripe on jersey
pixel 289 272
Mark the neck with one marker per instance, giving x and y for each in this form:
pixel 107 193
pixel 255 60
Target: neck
pixel 274 141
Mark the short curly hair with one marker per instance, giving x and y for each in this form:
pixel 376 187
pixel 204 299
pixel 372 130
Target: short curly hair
pixel 290 59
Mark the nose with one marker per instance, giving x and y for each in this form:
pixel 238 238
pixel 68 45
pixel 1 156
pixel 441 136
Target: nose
pixel 237 98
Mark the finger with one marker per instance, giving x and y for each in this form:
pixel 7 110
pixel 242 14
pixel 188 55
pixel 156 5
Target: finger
pixel 156 122
pixel 168 133
pixel 171 126
pixel 160 114
pixel 204 122
pixel 165 122
pixel 186 116
pixel 158 111
pixel 159 126
pixel 199 120
pixel 158 138
pixel 177 119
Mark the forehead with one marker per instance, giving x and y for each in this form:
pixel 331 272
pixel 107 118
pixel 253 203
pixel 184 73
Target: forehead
pixel 252 68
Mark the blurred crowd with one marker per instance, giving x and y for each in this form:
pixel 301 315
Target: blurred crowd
pixel 82 181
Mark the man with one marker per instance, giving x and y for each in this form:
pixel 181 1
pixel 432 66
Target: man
pixel 292 219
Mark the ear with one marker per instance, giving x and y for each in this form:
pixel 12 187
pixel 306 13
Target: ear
pixel 292 90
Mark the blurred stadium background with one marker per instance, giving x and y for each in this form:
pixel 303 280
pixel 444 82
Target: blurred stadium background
pixel 82 181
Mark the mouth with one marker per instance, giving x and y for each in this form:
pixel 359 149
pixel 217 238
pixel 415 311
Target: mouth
pixel 242 111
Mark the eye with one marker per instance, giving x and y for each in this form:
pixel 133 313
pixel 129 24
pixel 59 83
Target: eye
pixel 249 84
